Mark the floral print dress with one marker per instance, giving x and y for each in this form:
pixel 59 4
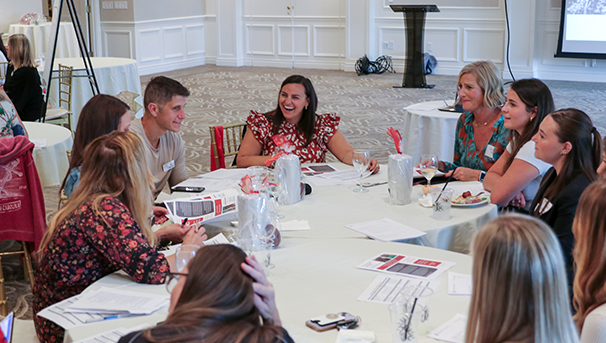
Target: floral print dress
pixel 466 153
pixel 87 246
pixel 315 152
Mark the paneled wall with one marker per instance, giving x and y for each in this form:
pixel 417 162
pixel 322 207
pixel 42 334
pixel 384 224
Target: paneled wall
pixel 334 34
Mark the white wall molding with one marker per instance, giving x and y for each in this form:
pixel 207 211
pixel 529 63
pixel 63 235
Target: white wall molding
pixel 339 39
pixel 307 44
pixel 476 52
pixel 272 40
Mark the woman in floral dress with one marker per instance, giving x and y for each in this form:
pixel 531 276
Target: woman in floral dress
pixel 103 227
pixel 295 117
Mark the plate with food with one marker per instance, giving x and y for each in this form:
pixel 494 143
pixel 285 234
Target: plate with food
pixel 468 200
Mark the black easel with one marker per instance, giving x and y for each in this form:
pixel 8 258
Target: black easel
pixel 88 65
pixel 414 19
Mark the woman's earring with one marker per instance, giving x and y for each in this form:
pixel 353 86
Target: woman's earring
pixel 306 108
pixel 531 118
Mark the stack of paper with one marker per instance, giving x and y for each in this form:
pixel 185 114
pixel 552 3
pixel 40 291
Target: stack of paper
pixel 102 304
pixel 386 230
pixel 410 266
pixel 113 336
pixel 386 288
pixel 452 331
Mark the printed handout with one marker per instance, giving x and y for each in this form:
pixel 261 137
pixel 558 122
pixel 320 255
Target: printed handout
pixel 403 265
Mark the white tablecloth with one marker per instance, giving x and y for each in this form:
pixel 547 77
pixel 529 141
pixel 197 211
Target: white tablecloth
pixel 113 75
pixel 313 277
pixel 40 37
pixel 50 158
pixel 429 131
pixel 328 208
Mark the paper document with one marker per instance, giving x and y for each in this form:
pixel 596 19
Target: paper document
pixel 386 230
pixel 295 225
pixel 57 313
pixel 203 208
pixel 218 239
pixel 459 284
pixel 385 288
pixel 410 266
pixel 113 336
pixel 226 174
pixel 114 300
pixel 317 169
pixel 452 331
pixel 342 177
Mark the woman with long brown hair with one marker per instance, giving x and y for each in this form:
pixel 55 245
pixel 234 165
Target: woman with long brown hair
pixel 589 253
pixel 569 142
pixel 221 296
pixel 103 227
pixel 519 285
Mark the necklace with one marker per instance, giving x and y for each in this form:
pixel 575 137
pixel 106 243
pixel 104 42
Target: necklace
pixel 476 124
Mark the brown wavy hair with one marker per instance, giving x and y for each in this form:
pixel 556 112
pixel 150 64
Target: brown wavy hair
pixel 589 252
pixel 101 115
pixel 114 166
pixel 21 51
pixel 308 121
pixel 216 303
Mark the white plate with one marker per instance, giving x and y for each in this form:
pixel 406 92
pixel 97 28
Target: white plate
pixel 471 205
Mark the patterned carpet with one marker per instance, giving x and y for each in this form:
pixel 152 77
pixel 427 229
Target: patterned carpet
pixel 367 105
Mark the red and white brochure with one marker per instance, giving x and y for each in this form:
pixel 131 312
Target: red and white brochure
pixel 204 208
pixel 416 267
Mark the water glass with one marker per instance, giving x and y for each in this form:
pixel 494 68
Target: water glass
pixel 429 167
pixel 184 254
pixel 441 203
pixel 360 160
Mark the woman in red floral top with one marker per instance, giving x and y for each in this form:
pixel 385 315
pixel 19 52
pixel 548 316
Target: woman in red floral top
pixel 296 118
pixel 103 227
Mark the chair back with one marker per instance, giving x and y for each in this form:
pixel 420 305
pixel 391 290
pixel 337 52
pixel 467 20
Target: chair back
pixel 230 144
pixel 65 86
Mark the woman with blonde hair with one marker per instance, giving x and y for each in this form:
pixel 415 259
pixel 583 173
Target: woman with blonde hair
pixel 103 227
pixel 589 253
pixel 519 285
pixel 481 137
pixel 22 82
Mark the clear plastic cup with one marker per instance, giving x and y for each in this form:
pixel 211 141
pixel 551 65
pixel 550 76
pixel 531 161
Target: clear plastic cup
pixel 404 323
pixel 441 206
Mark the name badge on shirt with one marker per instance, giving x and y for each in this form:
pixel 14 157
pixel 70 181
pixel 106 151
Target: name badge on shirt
pixel 168 166
pixel 489 151
pixel 544 206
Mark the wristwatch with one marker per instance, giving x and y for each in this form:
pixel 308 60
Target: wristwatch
pixel 482 175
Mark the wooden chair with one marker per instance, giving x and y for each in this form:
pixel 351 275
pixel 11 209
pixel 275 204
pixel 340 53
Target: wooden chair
pixel 62 197
pixel 27 270
pixel 228 146
pixel 63 114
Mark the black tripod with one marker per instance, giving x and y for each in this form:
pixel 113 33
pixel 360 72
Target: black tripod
pixel 88 66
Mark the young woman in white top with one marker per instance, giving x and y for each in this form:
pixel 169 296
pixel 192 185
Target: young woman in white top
pixel 519 285
pixel 516 176
pixel 589 253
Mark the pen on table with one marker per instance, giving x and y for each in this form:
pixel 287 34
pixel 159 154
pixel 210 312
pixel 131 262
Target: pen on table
pixel 115 316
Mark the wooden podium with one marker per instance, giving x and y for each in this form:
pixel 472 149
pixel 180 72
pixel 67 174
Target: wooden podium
pixel 414 19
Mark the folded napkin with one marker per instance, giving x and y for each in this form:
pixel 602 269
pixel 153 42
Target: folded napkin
pixel 355 336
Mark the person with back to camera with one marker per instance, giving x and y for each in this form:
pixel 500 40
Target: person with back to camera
pixel 567 140
pixel 164 101
pixel 22 82
pixel 295 117
pixel 101 115
pixel 602 168
pixel 589 253
pixel 519 285
pixel 516 177
pixel 102 228
pixel 221 296
pixel 481 136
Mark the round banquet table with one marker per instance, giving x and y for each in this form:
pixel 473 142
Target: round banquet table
pixel 113 75
pixel 328 208
pixel 429 131
pixel 313 277
pixel 52 142
pixel 40 37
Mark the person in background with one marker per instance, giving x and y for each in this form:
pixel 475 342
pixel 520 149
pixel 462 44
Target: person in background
pixel 516 177
pixel 164 102
pixel 569 142
pixel 101 115
pixel 102 228
pixel 589 229
pixel 602 168
pixel 22 82
pixel 10 123
pixel 221 296
pixel 519 285
pixel 295 117
pixel 481 136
